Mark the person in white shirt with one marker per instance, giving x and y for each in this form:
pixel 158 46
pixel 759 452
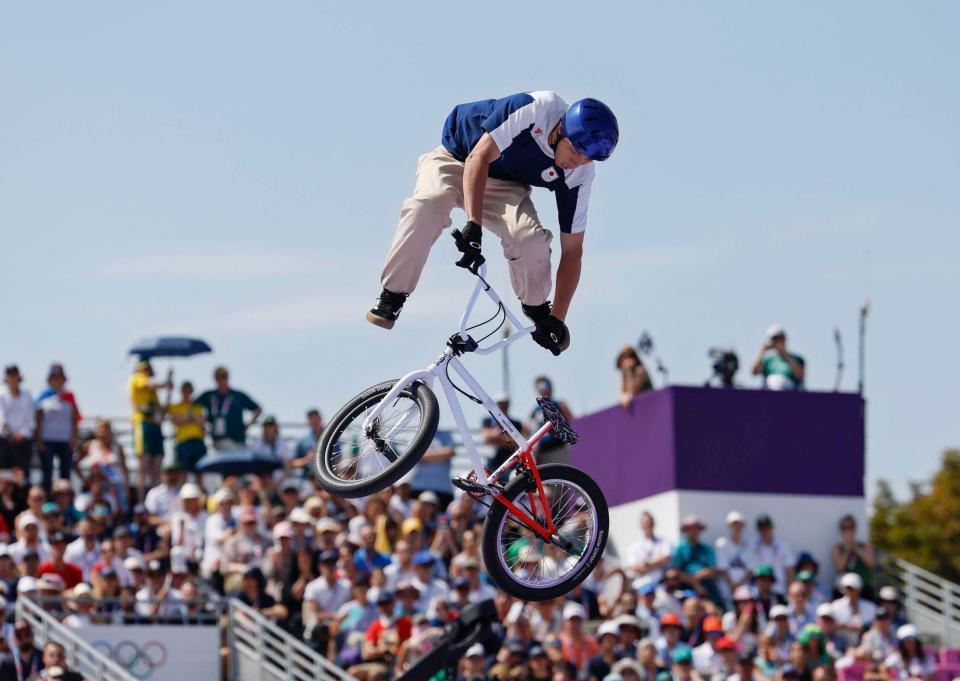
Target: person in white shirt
pixel 188 524
pixel 401 569
pixel 216 530
pixel 733 557
pixel 323 597
pixel 17 422
pixel 479 591
pixel 271 444
pixel 706 657
pixel 852 613
pixel 650 555
pixel 29 533
pixel 161 501
pixel 84 551
pixel 768 550
pixel 424 581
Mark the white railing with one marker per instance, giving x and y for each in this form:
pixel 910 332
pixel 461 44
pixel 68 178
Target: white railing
pixel 82 657
pixel 259 650
pixel 931 602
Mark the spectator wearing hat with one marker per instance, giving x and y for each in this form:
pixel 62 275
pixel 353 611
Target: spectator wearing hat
pixel 162 500
pixel 63 497
pixel 271 444
pixel 424 581
pixel 17 423
pixel 880 640
pixel 850 555
pixel 770 550
pixel 146 538
pixel 799 610
pixel 671 629
pixel 707 658
pixel 70 573
pixel 8 573
pixel 245 548
pixel 158 599
pixel 578 646
pixel 539 664
pixel 226 410
pixel 890 599
pixel 852 612
pixel 217 528
pixel 814 644
pixel 57 420
pixel 696 560
pixel 746 669
pixel 84 550
pixel 747 619
pixel 836 642
pixel 189 420
pixel 733 556
pixel 608 636
pixel 647 659
pixel 778 628
pixel 433 473
pixel 682 666
pixel 366 557
pixel 670 591
pixel 474 664
pixel 781 369
pixel 549 448
pixel 188 524
pixel 495 436
pixel 764 581
pixel 911 660
pixel 324 596
pixel 147 413
pixel 28 532
pixel 386 633
pixel 650 554
pixel 634 378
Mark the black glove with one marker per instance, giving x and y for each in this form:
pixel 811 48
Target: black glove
pixel 468 243
pixel 550 332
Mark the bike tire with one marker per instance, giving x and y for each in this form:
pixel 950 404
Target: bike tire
pixel 406 460
pixel 497 517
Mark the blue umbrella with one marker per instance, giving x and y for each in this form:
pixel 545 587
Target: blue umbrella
pixel 238 462
pixel 169 346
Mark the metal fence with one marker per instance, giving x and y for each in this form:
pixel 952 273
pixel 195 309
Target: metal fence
pixel 259 650
pixel 931 602
pixel 81 656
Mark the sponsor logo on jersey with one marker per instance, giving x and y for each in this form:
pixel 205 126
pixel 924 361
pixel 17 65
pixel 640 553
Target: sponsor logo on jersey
pixel 550 174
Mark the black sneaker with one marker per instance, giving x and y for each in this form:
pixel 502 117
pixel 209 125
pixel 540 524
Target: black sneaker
pixel 387 309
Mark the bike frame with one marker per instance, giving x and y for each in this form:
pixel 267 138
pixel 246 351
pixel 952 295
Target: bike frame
pixel 437 370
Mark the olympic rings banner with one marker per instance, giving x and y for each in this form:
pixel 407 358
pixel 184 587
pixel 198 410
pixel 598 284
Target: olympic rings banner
pixel 159 652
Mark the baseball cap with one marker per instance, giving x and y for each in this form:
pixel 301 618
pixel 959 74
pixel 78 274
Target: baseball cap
pixel 620 666
pixel 62 485
pixel 411 525
pixel 742 593
pixel 682 655
pixel 133 563
pixel 56 369
pixel 725 643
pixel 537 651
pixel 764 520
pixel 907 632
pixel 476 650
pixel 82 589
pixel 764 571
pixel 775 330
pixel 806 576
pixel 669 619
pixel 57 538
pixel 460 582
pixel 27 519
pixel 429 497
pixel 423 558
pixel 329 557
pixel 4 551
pixel 282 530
pixel 825 610
pixel 190 491
pixel 735 517
pixel 327 524
pixel 712 624
pixel 779 610
pixel 405 585
pixel 49 508
pixel 692 521
pixel 647 588
pixel 851 580
pixel 628 620
pixel 608 627
pixel 888 593
pixel 882 613
pixel 26 585
pixel 300 515
pixel 384 597
pixel 269 420
pixel 290 485
pixel 501 397
pixel 572 610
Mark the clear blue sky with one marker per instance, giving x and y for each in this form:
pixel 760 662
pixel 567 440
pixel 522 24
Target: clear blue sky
pixel 235 169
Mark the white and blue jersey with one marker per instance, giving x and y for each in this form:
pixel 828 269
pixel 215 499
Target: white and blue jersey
pixel 520 126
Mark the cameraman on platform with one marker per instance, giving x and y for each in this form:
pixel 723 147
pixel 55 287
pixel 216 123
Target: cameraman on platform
pixel 781 369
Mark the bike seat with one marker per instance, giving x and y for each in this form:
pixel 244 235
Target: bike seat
pixel 562 430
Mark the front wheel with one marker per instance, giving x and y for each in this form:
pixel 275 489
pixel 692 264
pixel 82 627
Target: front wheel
pixel 525 565
pixel 351 462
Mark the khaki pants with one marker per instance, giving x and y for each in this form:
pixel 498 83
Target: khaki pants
pixel 508 212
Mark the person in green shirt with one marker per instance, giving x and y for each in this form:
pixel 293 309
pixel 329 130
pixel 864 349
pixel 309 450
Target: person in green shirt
pixel 781 369
pixel 226 408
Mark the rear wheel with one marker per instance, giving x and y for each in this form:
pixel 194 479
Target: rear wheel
pixel 525 565
pixel 353 463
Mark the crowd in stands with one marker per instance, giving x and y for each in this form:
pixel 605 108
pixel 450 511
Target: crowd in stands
pixel 368 583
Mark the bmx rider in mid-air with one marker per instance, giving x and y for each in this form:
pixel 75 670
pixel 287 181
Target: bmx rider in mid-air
pixel 492 152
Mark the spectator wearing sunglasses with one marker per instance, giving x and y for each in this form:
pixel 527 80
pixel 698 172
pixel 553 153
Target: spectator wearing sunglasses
pixel 781 370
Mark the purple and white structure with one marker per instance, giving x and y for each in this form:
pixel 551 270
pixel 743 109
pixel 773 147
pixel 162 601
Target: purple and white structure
pixel 797 456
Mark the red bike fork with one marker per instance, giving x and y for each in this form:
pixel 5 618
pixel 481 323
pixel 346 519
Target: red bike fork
pixel 526 457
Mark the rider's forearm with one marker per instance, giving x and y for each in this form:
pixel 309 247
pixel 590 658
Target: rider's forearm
pixel 568 276
pixel 474 185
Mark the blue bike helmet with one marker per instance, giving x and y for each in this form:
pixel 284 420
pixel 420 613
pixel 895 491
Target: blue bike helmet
pixel 592 128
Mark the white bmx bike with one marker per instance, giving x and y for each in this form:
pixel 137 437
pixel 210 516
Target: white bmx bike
pixel 547 526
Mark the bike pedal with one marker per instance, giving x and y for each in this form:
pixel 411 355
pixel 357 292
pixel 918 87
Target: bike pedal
pixel 477 490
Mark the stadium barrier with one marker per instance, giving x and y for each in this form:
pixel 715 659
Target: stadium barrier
pixel 931 602
pixel 81 656
pixel 259 650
